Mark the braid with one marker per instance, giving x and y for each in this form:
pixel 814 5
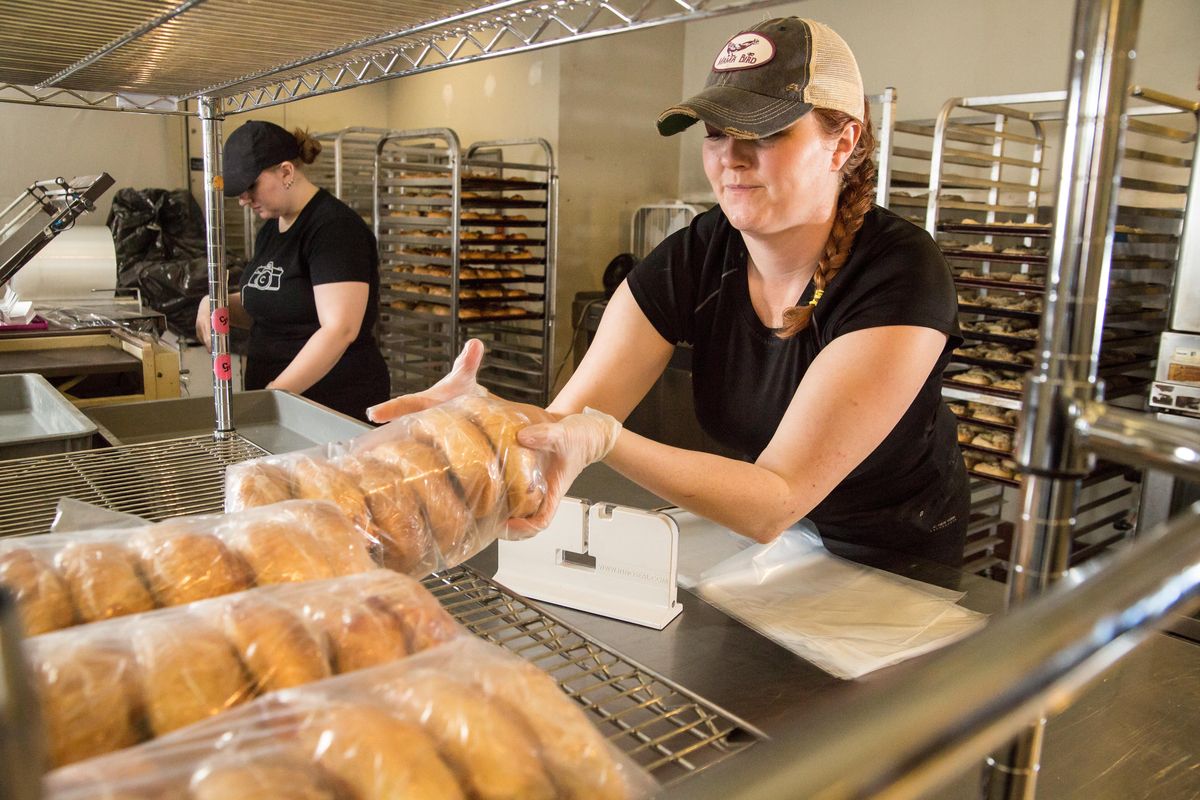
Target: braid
pixel 854 201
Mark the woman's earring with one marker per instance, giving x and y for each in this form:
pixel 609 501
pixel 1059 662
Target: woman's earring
pixel 287 185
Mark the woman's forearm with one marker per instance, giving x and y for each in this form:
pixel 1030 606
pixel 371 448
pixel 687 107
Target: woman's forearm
pixel 746 498
pixel 319 355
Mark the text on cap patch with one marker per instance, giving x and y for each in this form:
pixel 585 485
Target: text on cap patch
pixel 744 51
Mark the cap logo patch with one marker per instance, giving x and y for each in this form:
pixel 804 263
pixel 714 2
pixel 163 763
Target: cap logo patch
pixel 744 51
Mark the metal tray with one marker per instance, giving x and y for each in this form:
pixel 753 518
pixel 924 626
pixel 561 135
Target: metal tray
pixel 275 421
pixel 35 419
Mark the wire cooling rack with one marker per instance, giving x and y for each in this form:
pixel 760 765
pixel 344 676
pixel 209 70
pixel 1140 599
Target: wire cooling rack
pixel 153 481
pixel 669 731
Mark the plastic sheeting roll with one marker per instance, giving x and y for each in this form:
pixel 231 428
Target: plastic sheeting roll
pixel 73 264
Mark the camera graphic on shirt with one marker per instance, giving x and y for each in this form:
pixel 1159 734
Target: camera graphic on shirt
pixel 266 277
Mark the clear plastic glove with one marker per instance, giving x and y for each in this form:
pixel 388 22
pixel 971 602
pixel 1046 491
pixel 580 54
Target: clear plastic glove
pixel 460 380
pixel 573 443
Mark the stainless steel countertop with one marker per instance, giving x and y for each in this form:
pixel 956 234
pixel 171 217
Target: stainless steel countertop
pixel 1134 733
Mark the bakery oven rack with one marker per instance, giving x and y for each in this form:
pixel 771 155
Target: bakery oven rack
pixel 664 728
pixel 984 206
pixel 467 244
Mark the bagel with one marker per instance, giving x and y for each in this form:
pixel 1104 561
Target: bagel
pixel 182 566
pixel 103 580
pixel 43 600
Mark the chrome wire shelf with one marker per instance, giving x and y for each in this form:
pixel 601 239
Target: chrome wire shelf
pixel 665 729
pixel 153 481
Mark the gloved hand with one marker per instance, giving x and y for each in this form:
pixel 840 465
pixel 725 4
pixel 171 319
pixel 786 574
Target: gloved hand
pixel 458 381
pixel 572 443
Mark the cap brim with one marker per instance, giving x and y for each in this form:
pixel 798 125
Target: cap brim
pixel 237 182
pixel 739 113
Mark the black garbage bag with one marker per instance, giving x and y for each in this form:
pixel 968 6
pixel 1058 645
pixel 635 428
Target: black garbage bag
pixel 162 250
pixel 156 224
pixel 174 288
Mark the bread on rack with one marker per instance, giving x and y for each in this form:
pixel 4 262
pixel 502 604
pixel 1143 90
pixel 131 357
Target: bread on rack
pixel 43 600
pixel 377 756
pixel 187 674
pixel 89 698
pixel 259 484
pixel 274 644
pixel 492 751
pixel 280 776
pixel 363 635
pixel 181 565
pixel 103 579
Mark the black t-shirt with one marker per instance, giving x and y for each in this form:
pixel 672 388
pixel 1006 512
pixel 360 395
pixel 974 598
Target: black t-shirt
pixel 327 243
pixel 694 289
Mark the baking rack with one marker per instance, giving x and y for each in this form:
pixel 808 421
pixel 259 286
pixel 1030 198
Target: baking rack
pixel 153 481
pixel 668 731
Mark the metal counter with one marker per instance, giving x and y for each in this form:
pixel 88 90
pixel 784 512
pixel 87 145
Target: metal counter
pixel 1135 733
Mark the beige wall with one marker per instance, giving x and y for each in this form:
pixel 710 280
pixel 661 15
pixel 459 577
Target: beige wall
pixel 936 49
pixel 138 150
pixel 611 158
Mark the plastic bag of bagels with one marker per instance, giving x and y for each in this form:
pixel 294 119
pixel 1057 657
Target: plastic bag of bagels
pixel 434 487
pixel 66 579
pixel 461 720
pixel 113 684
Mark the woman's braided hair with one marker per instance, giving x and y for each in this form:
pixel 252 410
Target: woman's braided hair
pixel 854 201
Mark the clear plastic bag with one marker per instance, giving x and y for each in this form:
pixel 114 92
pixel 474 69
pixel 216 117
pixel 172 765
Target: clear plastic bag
pixel 66 579
pixel 112 684
pixel 463 719
pixel 846 618
pixel 433 488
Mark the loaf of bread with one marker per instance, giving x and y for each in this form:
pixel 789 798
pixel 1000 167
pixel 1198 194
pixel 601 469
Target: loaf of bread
pixel 279 777
pixel 187 674
pixel 491 750
pixel 182 565
pixel 104 580
pixel 427 474
pixel 376 755
pixel 43 600
pixel 89 696
pixel 275 645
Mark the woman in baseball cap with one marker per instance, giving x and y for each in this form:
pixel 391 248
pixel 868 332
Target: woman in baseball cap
pixel 310 295
pixel 819 323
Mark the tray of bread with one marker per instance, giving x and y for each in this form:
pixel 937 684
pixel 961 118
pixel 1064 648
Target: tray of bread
pixel 467 295
pixel 988 354
pixel 1004 383
pixel 984 414
pixel 1008 304
pixel 1018 333
pixel 463 719
pixel 486 312
pixel 996 468
pixel 1017 229
pixel 1001 279
pixel 986 251
pixel 987 440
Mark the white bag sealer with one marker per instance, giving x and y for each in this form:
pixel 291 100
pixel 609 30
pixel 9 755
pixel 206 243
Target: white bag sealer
pixel 601 558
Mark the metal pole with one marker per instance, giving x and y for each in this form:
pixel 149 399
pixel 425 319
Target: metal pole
pixel 218 289
pixel 1063 380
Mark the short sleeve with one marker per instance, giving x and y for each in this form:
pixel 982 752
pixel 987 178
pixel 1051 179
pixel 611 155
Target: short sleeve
pixel 665 283
pixel 340 250
pixel 904 281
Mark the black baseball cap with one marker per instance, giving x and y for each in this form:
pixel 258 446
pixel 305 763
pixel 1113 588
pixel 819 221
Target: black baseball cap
pixel 767 77
pixel 250 149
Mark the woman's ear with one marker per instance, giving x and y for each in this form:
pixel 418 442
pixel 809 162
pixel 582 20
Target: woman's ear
pixel 844 145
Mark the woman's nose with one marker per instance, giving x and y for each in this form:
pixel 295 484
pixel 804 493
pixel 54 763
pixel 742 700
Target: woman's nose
pixel 735 152
pixel 244 199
